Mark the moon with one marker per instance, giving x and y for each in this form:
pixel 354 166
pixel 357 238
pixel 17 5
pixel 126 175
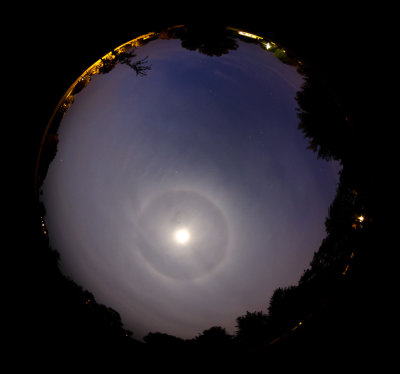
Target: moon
pixel 182 236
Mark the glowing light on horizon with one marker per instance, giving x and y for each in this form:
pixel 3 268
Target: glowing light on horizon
pixel 249 35
pixel 268 45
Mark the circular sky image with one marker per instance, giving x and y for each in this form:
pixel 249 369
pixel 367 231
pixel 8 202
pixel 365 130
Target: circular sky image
pixel 176 184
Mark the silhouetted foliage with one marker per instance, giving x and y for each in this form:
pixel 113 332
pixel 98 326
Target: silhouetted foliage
pixel 81 84
pixel 279 304
pixel 213 40
pixel 110 61
pixel 99 321
pixel 138 66
pixel 215 338
pixel 252 328
pixel 322 119
pixel 162 340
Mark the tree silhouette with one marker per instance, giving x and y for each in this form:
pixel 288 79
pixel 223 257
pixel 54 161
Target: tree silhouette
pixel 322 119
pixel 214 338
pixel 140 66
pixel 162 341
pixel 213 40
pixel 109 61
pixel 252 329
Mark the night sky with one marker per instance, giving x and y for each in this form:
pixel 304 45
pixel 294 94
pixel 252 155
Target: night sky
pixel 185 197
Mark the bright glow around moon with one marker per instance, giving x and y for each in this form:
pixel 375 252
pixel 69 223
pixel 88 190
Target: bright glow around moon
pixel 182 236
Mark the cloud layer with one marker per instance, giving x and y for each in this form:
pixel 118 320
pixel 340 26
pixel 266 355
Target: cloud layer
pixel 205 143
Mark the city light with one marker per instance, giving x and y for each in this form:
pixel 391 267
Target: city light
pixel 249 35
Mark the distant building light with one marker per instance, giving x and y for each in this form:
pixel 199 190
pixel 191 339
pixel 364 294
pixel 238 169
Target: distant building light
pixel 268 45
pixel 249 35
